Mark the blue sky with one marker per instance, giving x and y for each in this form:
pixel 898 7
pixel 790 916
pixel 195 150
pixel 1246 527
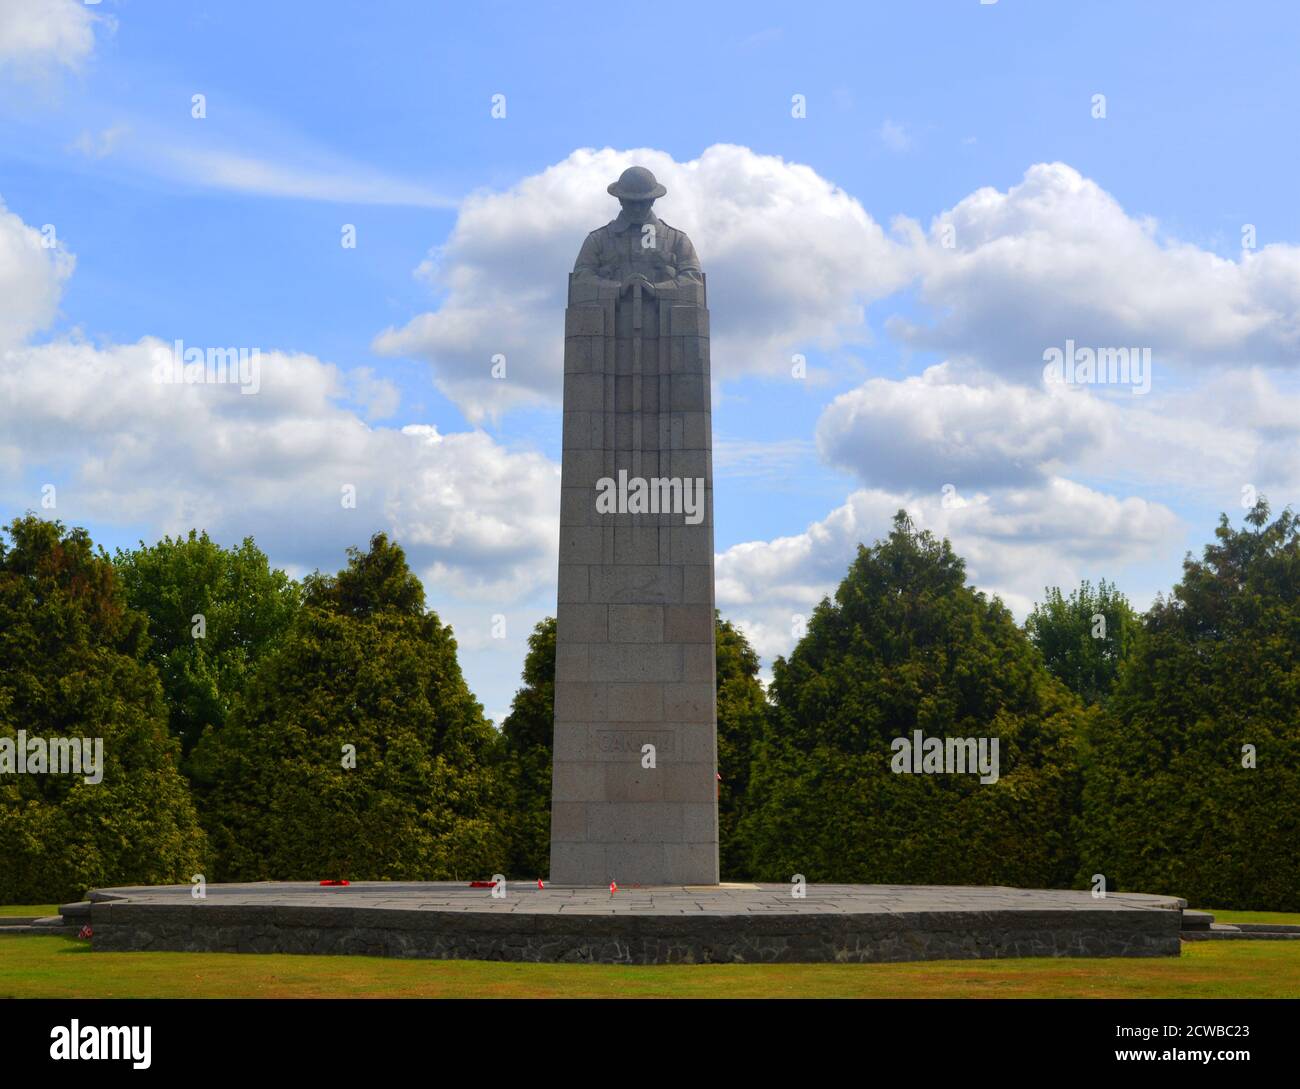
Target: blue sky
pixel 820 234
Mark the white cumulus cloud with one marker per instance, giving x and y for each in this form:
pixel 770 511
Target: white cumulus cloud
pixel 1014 543
pixel 33 267
pixel 791 259
pixel 474 517
pixel 1057 257
pixel 124 447
pixel 937 429
pixel 38 37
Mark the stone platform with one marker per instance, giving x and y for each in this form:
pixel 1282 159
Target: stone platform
pixel 659 925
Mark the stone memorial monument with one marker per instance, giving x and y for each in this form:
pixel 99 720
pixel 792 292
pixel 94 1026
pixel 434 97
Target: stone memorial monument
pixel 634 790
pixel 634 786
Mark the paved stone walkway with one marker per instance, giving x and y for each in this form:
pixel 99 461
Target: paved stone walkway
pixel 526 897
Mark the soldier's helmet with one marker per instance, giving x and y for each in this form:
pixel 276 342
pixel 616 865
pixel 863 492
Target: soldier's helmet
pixel 636 183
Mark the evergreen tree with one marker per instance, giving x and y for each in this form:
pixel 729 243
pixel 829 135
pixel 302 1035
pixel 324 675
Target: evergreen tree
pixel 906 645
pixel 1193 774
pixel 357 750
pixel 527 736
pixel 74 664
pixel 742 707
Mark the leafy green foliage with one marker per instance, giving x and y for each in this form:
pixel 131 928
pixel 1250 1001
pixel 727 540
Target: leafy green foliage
pixel 245 608
pixel 527 738
pixel 906 645
pixel 1084 638
pixel 74 663
pixel 364 665
pixel 1168 806
pixel 1147 786
pixel 742 708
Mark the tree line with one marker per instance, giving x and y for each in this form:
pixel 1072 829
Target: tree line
pixel 261 728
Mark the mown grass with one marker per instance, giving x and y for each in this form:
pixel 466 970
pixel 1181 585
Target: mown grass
pixel 39 910
pixel 57 967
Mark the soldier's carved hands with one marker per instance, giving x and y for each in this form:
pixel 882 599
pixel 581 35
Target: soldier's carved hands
pixel 635 278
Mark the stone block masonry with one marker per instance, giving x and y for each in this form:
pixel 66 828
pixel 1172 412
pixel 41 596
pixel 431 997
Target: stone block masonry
pixel 634 787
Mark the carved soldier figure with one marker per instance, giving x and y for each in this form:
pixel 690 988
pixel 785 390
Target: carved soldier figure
pixel 638 246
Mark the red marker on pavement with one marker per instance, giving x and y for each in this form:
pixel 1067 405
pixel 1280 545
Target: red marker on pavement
pixel 539 884
pixel 613 887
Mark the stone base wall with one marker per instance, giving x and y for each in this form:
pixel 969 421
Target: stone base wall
pixel 635 939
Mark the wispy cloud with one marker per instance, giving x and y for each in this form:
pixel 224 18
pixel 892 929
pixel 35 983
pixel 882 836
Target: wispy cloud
pixel 736 458
pixel 341 182
pixel 760 38
pixel 99 145
pixel 895 136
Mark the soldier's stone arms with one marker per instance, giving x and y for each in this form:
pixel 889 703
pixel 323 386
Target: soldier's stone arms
pixel 611 250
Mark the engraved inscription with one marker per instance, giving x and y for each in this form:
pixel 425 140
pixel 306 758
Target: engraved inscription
pixel 630 741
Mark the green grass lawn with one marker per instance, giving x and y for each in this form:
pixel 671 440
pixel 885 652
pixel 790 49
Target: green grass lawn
pixel 57 967
pixel 39 910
